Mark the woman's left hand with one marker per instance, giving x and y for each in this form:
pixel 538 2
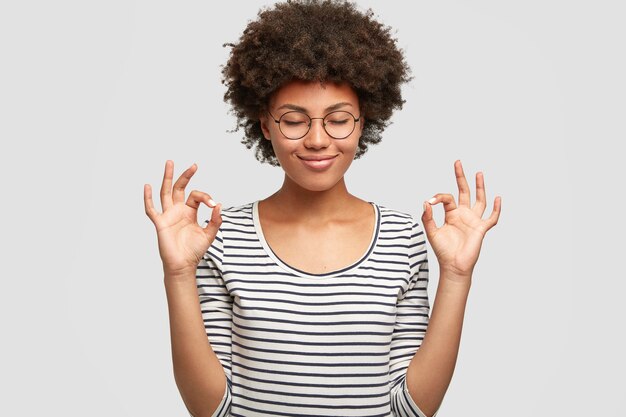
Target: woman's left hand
pixel 457 243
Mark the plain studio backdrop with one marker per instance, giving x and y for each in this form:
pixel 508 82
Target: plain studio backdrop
pixel 96 96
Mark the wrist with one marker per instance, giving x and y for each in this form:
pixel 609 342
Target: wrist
pixel 455 280
pixel 184 275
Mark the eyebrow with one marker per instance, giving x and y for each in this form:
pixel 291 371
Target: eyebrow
pixel 300 108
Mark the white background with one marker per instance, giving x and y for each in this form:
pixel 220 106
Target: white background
pixel 95 96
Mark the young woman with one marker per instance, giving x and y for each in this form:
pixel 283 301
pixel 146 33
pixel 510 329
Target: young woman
pixel 313 301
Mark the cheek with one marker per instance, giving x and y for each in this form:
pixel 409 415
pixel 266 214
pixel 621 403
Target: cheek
pixel 352 147
pixel 282 150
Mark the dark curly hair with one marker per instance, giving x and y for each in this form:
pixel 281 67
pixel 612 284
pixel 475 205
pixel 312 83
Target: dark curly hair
pixel 313 40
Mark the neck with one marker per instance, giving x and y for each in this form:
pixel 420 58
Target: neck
pixel 294 201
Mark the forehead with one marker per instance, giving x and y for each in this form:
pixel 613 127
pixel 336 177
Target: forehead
pixel 313 95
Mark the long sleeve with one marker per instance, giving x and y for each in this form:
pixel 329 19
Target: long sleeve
pixel 412 317
pixel 216 306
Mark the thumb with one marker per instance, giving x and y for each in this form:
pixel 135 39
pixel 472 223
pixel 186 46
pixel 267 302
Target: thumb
pixel 427 219
pixel 215 222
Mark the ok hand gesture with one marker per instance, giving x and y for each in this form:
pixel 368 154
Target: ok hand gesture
pixel 457 243
pixel 182 242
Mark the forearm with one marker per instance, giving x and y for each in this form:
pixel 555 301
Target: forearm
pixel 198 372
pixel 430 371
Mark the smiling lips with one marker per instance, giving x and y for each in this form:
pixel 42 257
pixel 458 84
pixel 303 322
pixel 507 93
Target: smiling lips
pixel 318 162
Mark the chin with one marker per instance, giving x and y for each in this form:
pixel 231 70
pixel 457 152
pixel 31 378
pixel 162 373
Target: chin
pixel 318 185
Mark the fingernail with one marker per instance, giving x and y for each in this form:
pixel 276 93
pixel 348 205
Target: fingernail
pixel 424 206
pixel 212 203
pixel 432 200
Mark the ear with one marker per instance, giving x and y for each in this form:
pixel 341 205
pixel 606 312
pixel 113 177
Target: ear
pixel 264 121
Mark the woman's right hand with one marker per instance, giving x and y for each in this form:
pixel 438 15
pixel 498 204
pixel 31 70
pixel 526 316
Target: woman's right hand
pixel 182 242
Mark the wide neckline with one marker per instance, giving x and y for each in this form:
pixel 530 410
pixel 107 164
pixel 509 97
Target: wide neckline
pixel 259 231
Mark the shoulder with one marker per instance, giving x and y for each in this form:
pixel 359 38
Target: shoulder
pixel 237 221
pixel 234 218
pixel 400 225
pixel 238 212
pixel 390 216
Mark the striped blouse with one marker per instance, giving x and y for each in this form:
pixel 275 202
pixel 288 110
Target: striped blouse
pixel 294 343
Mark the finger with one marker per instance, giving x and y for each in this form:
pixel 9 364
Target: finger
pixel 427 219
pixel 495 214
pixel 181 183
pixel 197 197
pixel 166 186
pixel 446 199
pixel 215 222
pixel 148 204
pixel 481 198
pixel 464 190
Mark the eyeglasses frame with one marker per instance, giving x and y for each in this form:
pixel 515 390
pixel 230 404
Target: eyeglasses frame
pixel 311 123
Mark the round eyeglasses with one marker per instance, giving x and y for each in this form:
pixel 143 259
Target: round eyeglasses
pixel 296 124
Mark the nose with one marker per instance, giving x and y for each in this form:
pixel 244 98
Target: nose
pixel 317 138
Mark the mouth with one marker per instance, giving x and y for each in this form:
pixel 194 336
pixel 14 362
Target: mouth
pixel 320 162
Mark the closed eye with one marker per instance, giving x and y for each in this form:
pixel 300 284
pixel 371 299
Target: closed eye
pixel 339 122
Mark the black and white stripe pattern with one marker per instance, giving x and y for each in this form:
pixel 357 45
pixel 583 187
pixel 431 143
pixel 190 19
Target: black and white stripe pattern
pixel 298 344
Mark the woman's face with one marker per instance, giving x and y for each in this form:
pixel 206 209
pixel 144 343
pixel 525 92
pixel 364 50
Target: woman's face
pixel 317 161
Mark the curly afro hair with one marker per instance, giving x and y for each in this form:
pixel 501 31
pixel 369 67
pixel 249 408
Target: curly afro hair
pixel 313 40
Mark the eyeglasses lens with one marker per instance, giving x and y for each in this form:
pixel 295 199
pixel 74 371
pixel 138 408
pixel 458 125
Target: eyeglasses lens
pixel 338 124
